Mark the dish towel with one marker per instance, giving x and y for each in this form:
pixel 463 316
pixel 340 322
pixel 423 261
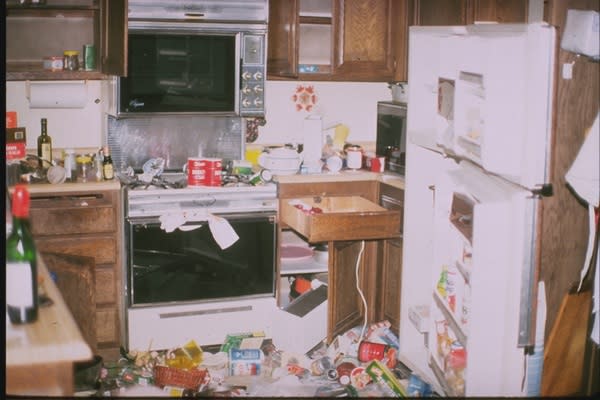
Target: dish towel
pixel 220 228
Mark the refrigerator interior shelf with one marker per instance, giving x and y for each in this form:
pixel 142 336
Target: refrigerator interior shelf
pixel 439 374
pixel 451 319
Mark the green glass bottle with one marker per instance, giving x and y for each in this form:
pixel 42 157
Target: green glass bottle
pixel 21 263
pixel 44 144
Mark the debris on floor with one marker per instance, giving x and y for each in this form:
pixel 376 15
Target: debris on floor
pixel 362 362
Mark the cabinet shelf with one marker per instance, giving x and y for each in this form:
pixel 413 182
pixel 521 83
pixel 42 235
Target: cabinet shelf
pixel 20 71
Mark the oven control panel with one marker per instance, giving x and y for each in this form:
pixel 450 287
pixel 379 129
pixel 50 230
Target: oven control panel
pixel 253 76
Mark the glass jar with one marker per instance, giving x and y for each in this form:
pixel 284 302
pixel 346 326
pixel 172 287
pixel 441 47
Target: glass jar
pixel 85 168
pixel 71 60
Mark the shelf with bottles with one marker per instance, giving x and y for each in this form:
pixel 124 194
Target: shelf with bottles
pixel 452 297
pixel 448 355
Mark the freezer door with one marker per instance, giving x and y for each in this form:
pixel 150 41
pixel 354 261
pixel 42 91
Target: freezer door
pixel 484 93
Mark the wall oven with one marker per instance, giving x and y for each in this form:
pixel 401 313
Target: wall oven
pixel 191 57
pixel 180 283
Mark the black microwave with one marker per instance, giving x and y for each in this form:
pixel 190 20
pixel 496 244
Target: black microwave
pixel 391 135
pixel 184 68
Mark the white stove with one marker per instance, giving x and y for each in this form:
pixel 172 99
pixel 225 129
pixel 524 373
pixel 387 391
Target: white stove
pixel 165 196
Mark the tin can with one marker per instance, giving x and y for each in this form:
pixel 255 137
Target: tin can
pixel 89 57
pixel 204 171
pixel 368 351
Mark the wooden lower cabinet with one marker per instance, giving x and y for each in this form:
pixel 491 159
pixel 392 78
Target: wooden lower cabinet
pixel 389 257
pixel 346 308
pixel 87 223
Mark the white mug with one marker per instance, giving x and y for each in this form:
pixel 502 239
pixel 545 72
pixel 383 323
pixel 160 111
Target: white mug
pixel 353 159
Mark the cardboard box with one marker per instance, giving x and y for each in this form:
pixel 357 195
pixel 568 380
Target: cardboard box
pixel 11 119
pixel 15 143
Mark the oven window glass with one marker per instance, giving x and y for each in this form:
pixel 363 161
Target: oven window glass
pixel 179 73
pixel 190 265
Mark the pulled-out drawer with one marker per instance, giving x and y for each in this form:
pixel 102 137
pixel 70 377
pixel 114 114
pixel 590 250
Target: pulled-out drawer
pixel 322 219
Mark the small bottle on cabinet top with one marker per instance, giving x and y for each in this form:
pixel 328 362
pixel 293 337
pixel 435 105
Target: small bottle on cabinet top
pixel 21 263
pixel 108 169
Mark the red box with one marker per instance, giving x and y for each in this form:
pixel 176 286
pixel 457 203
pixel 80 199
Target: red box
pixel 16 141
pixel 11 119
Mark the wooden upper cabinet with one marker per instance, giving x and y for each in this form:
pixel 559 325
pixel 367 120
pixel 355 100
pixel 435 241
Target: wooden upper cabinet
pixel 464 12
pixel 283 38
pixel 114 37
pixel 34 32
pixel 338 40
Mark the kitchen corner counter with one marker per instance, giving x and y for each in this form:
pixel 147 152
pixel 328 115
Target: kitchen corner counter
pixel 40 356
pixel 344 176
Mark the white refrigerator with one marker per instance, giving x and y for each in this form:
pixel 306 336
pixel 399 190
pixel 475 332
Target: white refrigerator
pixel 479 137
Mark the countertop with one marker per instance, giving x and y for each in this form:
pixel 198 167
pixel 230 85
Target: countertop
pixel 74 186
pixel 53 338
pixel 344 176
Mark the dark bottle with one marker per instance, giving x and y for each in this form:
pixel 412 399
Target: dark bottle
pixel 21 263
pixel 44 144
pixel 108 170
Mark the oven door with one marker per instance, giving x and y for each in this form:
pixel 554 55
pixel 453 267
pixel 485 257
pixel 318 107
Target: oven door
pixel 187 265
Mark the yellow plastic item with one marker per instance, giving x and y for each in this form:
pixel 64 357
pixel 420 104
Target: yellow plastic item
pixel 186 357
pixel 340 136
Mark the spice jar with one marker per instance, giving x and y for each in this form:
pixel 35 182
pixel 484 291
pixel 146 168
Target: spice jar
pixel 71 60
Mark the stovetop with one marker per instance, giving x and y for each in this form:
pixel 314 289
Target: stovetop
pixel 169 193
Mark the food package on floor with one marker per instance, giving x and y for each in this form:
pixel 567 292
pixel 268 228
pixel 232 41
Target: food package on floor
pixel 245 361
pixel 386 379
pixel 243 340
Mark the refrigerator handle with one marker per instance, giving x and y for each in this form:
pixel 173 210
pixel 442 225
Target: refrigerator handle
pixel 530 276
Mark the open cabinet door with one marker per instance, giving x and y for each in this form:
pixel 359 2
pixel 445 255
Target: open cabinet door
pixel 76 280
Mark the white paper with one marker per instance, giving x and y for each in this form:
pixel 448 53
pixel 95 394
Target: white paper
pixel 222 231
pixel 69 94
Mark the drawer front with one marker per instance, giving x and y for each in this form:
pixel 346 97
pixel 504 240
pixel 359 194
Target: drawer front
pixel 105 286
pixel 72 214
pixel 102 248
pixel 106 322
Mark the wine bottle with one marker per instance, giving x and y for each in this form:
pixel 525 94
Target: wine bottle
pixel 44 144
pixel 21 263
pixel 107 165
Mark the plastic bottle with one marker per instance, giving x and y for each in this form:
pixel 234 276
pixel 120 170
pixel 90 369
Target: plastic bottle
pixel 44 144
pixel 21 263
pixel 70 165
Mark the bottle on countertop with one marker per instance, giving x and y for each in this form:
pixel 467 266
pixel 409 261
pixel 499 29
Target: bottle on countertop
pixel 44 144
pixel 108 169
pixel 21 263
pixel 70 165
pixel 99 164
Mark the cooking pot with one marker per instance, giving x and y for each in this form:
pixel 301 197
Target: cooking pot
pixel 280 161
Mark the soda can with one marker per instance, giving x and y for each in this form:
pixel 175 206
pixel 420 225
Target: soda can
pixel 89 57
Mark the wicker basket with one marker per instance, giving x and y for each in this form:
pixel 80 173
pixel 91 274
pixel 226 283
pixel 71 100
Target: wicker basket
pixel 185 378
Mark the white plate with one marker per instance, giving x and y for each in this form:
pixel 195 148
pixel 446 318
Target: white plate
pixel 290 252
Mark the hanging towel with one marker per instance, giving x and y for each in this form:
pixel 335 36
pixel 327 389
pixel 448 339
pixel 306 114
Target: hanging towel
pixel 220 228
